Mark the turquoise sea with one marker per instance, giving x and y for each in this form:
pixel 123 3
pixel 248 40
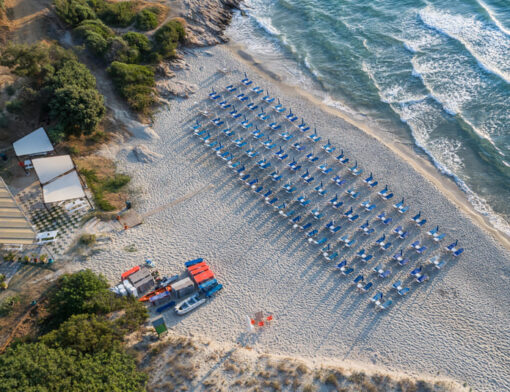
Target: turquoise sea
pixel 434 73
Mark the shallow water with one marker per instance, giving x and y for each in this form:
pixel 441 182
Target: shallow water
pixel 433 73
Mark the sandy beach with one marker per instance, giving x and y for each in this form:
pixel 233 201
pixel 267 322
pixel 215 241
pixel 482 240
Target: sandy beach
pixel 455 326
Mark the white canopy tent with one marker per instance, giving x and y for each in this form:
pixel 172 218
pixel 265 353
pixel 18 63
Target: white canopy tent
pixel 66 187
pixel 59 179
pixel 35 143
pixel 47 169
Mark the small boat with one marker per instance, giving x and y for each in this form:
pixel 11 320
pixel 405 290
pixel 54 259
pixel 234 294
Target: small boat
pixel 189 304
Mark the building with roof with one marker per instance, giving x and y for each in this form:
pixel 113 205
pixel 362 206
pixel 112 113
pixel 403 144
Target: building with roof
pixel 15 229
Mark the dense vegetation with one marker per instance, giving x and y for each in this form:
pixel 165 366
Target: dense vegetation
pixel 147 19
pixel 135 83
pixel 130 57
pixel 100 187
pixel 83 350
pixel 58 82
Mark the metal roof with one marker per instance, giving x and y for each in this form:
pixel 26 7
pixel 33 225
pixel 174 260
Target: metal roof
pixel 15 229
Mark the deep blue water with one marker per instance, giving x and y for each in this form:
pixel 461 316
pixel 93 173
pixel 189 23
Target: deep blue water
pixel 435 73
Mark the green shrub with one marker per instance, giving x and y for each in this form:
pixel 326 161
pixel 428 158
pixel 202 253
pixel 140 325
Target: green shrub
pixel 56 134
pixel 14 106
pixel 72 73
pixel 119 50
pixel 146 20
pixel 95 35
pixel 77 110
pixel 10 90
pixel 4 121
pixel 88 239
pixel 74 11
pixel 125 74
pixel 139 42
pixel 135 83
pixel 168 36
pixel 139 97
pixel 99 187
pixel 7 305
pixel 74 295
pixel 119 14
pixel 84 333
pixel 34 367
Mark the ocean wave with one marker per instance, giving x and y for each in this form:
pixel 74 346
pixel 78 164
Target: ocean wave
pixel 488 46
pixel 493 17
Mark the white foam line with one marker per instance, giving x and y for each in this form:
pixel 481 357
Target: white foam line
pixel 493 17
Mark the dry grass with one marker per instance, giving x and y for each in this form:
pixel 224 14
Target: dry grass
pixel 180 363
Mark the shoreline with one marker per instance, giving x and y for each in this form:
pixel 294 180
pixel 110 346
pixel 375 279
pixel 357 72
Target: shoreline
pixel 264 265
pixel 424 166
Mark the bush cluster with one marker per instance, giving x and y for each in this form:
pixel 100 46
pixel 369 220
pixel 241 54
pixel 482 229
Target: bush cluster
pixel 58 81
pixel 90 19
pixel 135 83
pixel 147 19
pixel 83 350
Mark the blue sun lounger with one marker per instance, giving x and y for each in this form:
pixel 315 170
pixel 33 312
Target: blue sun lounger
pixel 286 136
pixel 314 137
pixel 363 255
pixel 342 158
pixel 338 180
pixel 399 231
pixel 275 176
pixel 214 95
pixel 291 117
pixel 329 147
pixel 366 287
pixel 257 134
pixel 230 88
pixel 289 188
pixel 458 252
pixel 298 147
pixel 274 126
pixel 307 177
pixel 358 281
pixel 342 266
pixel 246 81
pixel 262 115
pixel 251 152
pixel 279 107
pixel 225 105
pixel 294 166
pixel 324 168
pixel 234 113
pixel 336 202
pixel 303 127
pixel 352 193
pixel 240 170
pixel 352 217
pixel 267 98
pixel 316 213
pixel 268 193
pixel 280 207
pixel 366 229
pixel 257 90
pixel 355 170
pixel 252 106
pixel 303 201
pixel 368 206
pixel 370 181
pixel 271 201
pixel 376 299
pixel 243 97
pixel 312 233
pixel 311 158
pixel 330 257
pixel 320 189
pixel 295 221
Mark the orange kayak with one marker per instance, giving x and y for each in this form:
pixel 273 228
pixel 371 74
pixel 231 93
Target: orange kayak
pixel 148 296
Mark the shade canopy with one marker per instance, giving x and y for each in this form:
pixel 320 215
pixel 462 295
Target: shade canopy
pixel 63 188
pixel 50 168
pixel 15 229
pixel 35 143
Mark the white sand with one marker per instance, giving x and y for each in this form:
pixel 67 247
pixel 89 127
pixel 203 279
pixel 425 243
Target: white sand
pixel 455 325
